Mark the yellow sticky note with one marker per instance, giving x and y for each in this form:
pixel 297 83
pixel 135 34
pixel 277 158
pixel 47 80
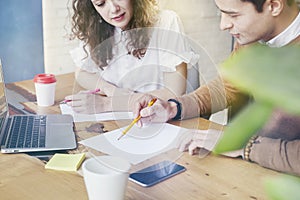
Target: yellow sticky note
pixel 65 162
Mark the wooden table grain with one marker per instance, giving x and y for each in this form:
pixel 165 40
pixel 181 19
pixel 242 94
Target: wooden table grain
pixel 209 177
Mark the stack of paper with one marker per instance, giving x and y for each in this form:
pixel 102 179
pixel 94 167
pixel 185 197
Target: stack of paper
pixel 65 109
pixel 138 144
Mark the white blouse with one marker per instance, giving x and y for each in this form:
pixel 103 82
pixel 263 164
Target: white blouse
pixel 168 47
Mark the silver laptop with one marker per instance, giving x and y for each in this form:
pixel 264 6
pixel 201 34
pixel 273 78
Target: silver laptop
pixel 33 133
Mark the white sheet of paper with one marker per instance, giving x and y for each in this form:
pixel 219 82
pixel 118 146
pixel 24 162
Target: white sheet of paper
pixel 139 144
pixel 65 109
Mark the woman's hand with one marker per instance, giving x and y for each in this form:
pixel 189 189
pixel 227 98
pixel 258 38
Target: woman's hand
pixel 86 103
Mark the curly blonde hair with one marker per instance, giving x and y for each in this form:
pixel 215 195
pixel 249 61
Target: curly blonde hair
pixel 86 26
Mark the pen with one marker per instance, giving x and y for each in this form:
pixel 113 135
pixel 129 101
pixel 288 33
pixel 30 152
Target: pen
pixel 94 91
pixel 90 92
pixel 136 120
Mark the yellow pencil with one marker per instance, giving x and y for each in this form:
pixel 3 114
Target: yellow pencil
pixel 136 120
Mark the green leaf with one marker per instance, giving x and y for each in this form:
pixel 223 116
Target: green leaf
pixel 246 123
pixel 283 188
pixel 270 74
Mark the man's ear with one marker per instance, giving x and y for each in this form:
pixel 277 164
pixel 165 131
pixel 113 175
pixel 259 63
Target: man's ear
pixel 276 6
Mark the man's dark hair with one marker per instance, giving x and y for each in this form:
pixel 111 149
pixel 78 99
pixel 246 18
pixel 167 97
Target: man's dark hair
pixel 259 3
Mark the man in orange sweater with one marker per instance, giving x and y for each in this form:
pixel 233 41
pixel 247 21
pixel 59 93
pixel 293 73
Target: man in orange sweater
pixel 275 23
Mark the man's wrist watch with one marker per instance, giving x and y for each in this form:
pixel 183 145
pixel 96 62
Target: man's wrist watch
pixel 178 105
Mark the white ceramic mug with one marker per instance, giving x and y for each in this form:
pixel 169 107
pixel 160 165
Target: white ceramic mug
pixel 106 177
pixel 45 89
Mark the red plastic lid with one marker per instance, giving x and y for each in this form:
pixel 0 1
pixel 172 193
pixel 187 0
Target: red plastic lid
pixel 44 78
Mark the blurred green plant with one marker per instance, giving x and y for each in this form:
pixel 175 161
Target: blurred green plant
pixel 283 188
pixel 272 77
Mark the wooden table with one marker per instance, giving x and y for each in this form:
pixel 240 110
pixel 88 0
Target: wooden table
pixel 212 177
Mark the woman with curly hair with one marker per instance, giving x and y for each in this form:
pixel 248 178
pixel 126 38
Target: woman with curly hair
pixel 127 47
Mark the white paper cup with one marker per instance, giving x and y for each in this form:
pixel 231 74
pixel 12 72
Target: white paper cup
pixel 106 177
pixel 45 89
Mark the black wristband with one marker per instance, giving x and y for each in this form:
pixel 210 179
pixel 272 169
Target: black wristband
pixel 178 105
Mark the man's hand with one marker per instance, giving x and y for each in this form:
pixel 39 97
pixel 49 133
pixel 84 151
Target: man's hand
pixel 202 142
pixel 160 111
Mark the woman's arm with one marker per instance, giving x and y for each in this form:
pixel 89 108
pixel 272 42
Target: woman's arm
pixel 175 82
pixel 91 81
pixel 175 85
pixel 122 99
pixel 87 80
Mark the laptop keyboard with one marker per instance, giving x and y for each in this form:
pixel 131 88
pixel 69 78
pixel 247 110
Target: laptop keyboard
pixel 34 128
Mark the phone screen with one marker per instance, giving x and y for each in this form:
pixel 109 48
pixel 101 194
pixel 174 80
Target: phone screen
pixel 156 173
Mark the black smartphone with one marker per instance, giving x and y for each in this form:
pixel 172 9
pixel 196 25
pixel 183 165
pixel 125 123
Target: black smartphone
pixel 156 173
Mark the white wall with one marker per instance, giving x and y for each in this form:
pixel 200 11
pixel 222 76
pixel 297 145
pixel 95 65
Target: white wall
pixel 201 22
pixel 56 25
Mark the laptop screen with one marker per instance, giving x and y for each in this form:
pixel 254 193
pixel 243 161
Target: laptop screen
pixel 3 103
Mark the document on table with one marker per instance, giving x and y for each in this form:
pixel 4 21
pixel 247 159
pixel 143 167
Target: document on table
pixel 138 144
pixel 65 109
